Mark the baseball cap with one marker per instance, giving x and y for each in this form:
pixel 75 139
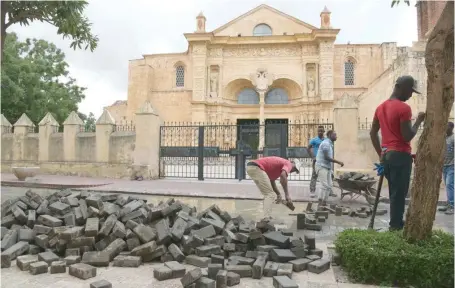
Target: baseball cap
pixel 407 81
pixel 297 165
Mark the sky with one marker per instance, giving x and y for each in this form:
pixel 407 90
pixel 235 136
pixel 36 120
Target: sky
pixel 129 29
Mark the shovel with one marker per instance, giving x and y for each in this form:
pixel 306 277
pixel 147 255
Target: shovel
pixel 376 201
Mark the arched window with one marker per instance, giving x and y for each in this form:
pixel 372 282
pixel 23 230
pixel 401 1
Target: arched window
pixel 349 72
pixel 248 96
pixel 276 96
pixel 262 30
pixel 180 76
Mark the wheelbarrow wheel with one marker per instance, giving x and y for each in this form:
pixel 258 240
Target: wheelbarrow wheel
pixel 370 199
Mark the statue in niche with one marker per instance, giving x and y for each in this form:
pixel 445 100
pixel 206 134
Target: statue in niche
pixel 311 85
pixel 214 84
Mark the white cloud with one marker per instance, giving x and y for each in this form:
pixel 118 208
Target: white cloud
pixel 129 29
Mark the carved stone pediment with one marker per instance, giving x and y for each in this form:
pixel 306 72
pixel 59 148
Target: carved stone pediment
pixel 262 79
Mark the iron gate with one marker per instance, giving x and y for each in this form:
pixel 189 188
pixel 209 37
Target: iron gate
pixel 221 151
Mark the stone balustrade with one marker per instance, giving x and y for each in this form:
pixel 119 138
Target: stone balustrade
pixel 105 152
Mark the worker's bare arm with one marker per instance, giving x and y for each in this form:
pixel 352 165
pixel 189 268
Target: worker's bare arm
pixel 284 184
pixel 409 131
pixel 375 137
pixel 328 158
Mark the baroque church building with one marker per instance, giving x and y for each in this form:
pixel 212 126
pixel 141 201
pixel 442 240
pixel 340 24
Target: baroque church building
pixel 266 65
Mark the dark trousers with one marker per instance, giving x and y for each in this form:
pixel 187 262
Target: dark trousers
pixel 397 171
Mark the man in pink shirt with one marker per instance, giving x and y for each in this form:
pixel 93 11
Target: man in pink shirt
pixel 264 172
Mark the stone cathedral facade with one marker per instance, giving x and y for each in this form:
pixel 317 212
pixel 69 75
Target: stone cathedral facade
pixel 266 65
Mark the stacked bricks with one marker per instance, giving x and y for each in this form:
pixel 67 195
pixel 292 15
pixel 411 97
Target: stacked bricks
pixel 83 231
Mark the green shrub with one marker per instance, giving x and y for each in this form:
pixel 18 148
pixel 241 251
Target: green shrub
pixel 385 258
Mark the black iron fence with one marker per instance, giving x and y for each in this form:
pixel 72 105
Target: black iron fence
pixel 365 124
pixel 221 151
pixel 125 126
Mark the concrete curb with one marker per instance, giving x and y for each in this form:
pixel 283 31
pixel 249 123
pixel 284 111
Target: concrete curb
pixel 84 187
pixel 47 185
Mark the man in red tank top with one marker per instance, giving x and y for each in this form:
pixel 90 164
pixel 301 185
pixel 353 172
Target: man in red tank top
pixel 393 118
pixel 264 172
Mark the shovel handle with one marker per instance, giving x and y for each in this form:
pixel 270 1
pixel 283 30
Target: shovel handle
pixel 376 201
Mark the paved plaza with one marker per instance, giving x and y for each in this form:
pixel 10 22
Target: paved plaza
pixel 250 209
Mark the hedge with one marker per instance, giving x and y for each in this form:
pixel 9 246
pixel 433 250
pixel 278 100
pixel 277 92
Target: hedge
pixel 385 258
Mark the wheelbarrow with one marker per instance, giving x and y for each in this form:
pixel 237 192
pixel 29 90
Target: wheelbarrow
pixel 357 188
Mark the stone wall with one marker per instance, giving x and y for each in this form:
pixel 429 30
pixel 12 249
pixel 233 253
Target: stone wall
pixel 109 152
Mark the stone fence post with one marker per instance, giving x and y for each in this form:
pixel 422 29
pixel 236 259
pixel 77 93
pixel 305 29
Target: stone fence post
pixel 71 127
pixel 345 118
pixel 47 127
pixel 104 127
pixel 21 129
pixel 5 125
pixel 147 146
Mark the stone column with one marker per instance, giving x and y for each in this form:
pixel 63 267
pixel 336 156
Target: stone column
pixel 261 119
pixel 316 80
pixel 147 146
pixel 71 127
pixel 104 127
pixel 5 125
pixel 47 127
pixel 21 129
pixel 304 82
pixel 325 70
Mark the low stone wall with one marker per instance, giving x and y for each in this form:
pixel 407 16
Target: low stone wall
pixel 102 170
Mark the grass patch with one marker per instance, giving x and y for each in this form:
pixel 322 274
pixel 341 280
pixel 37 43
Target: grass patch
pixel 385 258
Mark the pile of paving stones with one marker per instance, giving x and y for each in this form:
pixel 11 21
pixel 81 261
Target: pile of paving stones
pixel 83 231
pixel 355 176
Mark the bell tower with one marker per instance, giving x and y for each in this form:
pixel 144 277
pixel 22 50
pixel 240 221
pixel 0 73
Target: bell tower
pixel 325 19
pixel 200 23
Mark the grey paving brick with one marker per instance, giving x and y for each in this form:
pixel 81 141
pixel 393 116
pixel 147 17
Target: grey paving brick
pixel 72 233
pixel 145 233
pixel 103 243
pixel 73 259
pixel 242 270
pixel 48 257
pixel 277 239
pixel 144 249
pixel 27 235
pixel 92 227
pixel 39 267
pixel 162 273
pixel 114 248
pixel 23 262
pixel 178 270
pixel 299 265
pixel 82 271
pixel 33 249
pixel 95 258
pixel 284 282
pixel 31 218
pixel 41 229
pixel 58 267
pixel 205 232
pixel 201 262
pixel 176 253
pixel 310 241
pixel 163 232
pixel 233 279
pixel 108 225
pixel 59 208
pixel 132 243
pixel 285 269
pixel 207 250
pixel 49 221
pixel 81 241
pixel 191 277
pixel 319 266
pixel 282 255
pixel 205 282
pixel 127 261
pixel 12 253
pixel 270 269
pixel 42 241
pixel 101 284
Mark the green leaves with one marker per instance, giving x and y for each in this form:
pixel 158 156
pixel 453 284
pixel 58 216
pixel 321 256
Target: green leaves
pixel 35 80
pixel 386 258
pixel 67 16
pixel 396 2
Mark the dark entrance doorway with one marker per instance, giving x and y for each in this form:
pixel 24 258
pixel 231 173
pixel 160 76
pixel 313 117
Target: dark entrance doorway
pixel 276 137
pixel 248 142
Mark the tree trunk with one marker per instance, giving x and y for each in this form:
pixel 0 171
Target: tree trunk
pixel 3 28
pixel 431 147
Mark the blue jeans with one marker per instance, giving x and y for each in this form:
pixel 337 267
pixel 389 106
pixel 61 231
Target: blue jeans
pixel 447 173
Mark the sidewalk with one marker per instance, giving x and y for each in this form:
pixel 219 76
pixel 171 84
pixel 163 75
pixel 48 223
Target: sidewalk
pixel 212 188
